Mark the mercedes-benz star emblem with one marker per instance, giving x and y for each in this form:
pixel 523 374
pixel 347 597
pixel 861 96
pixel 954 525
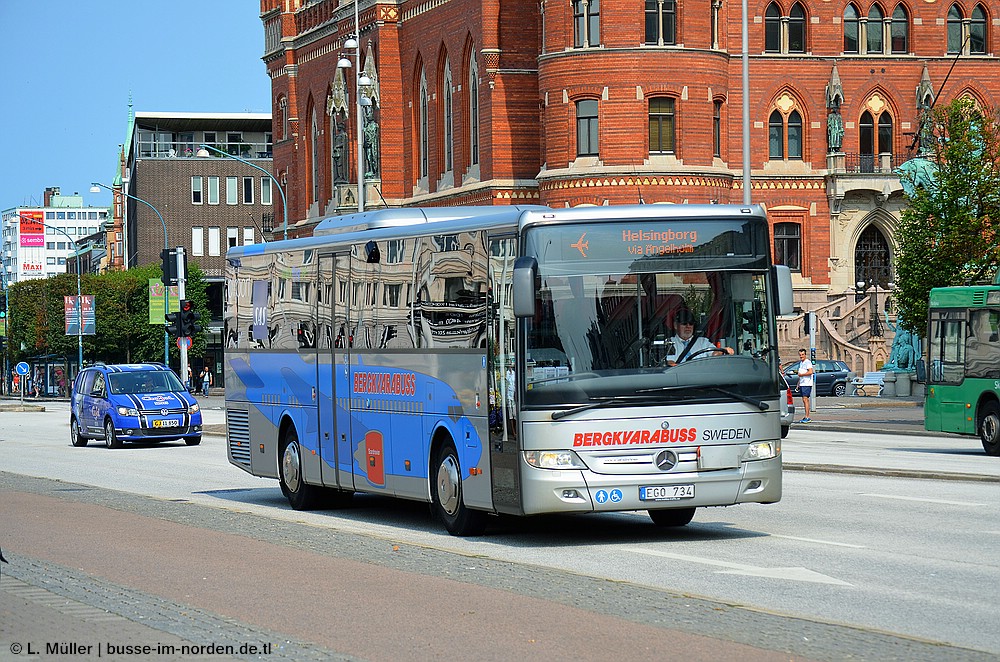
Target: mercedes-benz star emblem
pixel 665 460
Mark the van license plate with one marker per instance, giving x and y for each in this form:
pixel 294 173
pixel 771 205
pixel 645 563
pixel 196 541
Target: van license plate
pixel 666 492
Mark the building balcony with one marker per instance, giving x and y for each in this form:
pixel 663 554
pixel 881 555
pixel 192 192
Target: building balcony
pixel 149 149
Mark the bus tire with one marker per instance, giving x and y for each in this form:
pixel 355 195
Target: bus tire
pixel 447 497
pixel 989 428
pixel 301 496
pixel 671 517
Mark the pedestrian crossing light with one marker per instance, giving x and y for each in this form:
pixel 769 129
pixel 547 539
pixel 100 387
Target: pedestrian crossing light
pixel 189 319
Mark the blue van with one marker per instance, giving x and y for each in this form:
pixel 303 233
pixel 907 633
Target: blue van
pixel 132 402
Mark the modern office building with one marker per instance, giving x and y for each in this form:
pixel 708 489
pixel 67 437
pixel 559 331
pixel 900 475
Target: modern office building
pixel 590 103
pixel 206 200
pixel 42 241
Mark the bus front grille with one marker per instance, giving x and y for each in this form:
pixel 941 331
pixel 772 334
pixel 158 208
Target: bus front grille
pixel 238 433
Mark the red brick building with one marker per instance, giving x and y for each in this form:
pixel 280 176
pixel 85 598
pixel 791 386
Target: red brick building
pixel 589 102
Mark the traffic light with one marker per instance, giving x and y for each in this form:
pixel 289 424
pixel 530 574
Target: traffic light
pixel 168 256
pixel 189 319
pixel 3 344
pixel 174 324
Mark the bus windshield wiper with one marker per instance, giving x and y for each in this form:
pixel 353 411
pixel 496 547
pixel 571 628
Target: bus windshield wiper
pixel 594 404
pixel 759 404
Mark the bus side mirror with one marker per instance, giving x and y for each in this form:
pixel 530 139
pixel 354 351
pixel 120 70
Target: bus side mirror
pixel 783 296
pixel 525 274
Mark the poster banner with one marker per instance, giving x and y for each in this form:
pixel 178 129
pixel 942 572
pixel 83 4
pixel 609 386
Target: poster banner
pixel 32 230
pixel 73 315
pixel 157 309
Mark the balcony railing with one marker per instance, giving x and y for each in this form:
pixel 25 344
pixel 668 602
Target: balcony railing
pixel 883 163
pixel 155 149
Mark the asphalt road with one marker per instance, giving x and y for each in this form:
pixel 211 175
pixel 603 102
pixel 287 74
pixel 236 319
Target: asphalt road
pixel 175 540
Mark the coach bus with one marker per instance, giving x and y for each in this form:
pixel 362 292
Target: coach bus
pixel 963 379
pixel 511 360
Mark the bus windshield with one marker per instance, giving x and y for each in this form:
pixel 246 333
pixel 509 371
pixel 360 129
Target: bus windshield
pixel 649 325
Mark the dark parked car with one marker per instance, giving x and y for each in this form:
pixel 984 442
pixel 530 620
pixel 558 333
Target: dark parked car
pixel 830 377
pixel 787 407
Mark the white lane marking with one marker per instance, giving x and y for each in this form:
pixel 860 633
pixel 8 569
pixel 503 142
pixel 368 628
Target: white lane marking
pixel 819 542
pixel 924 499
pixel 793 574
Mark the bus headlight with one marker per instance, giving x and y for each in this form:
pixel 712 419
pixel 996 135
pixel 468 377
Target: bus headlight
pixel 127 411
pixel 554 460
pixel 761 450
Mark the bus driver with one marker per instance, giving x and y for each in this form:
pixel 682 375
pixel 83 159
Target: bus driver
pixel 686 345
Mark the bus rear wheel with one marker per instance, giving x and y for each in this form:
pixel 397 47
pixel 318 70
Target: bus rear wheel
pixel 446 493
pixel 672 517
pixel 989 428
pixel 301 496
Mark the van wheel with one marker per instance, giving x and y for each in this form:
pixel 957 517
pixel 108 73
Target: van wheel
pixel 301 496
pixel 74 434
pixel 446 493
pixel 989 428
pixel 111 439
pixel 672 516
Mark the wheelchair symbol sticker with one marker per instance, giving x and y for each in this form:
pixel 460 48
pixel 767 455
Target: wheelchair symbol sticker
pixel 616 496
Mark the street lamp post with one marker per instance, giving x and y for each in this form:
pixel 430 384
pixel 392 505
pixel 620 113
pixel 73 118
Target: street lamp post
pixel 79 297
pixel 875 324
pixel 203 152
pixel 361 80
pixel 95 187
pixel 6 328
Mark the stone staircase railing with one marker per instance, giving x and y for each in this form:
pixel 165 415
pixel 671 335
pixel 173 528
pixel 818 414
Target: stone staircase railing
pixel 842 334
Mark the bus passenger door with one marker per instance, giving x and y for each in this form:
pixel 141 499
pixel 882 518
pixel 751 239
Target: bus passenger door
pixel 503 378
pixel 332 360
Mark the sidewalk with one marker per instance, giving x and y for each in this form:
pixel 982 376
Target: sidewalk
pixel 870 414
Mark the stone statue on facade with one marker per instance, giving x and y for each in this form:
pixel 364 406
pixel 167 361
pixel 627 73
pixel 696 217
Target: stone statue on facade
pixel 834 129
pixel 371 140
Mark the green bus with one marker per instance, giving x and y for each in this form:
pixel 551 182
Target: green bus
pixel 963 377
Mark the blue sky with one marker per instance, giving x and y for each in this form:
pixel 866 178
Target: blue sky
pixel 65 87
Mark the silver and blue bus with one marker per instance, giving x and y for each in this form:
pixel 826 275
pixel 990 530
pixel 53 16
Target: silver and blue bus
pixel 512 360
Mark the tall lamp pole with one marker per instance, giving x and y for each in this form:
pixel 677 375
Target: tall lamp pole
pixel 6 329
pixel 96 187
pixel 203 151
pixel 79 298
pixel 361 80
pixel 875 325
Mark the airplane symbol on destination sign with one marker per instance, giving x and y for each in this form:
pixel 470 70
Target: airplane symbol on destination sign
pixel 581 245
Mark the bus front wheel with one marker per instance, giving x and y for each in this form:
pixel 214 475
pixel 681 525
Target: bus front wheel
pixel 301 496
pixel 446 492
pixel 672 516
pixel 989 428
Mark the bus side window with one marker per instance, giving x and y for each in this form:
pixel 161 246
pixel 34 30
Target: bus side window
pixel 982 349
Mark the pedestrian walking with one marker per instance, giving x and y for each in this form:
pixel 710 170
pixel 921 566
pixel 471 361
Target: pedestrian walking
pixel 805 382
pixel 206 380
pixel 190 380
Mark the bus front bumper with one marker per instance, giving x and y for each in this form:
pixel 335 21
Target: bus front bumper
pixel 560 491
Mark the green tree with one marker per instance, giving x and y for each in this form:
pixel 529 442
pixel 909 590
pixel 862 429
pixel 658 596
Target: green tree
pixel 948 233
pixel 121 299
